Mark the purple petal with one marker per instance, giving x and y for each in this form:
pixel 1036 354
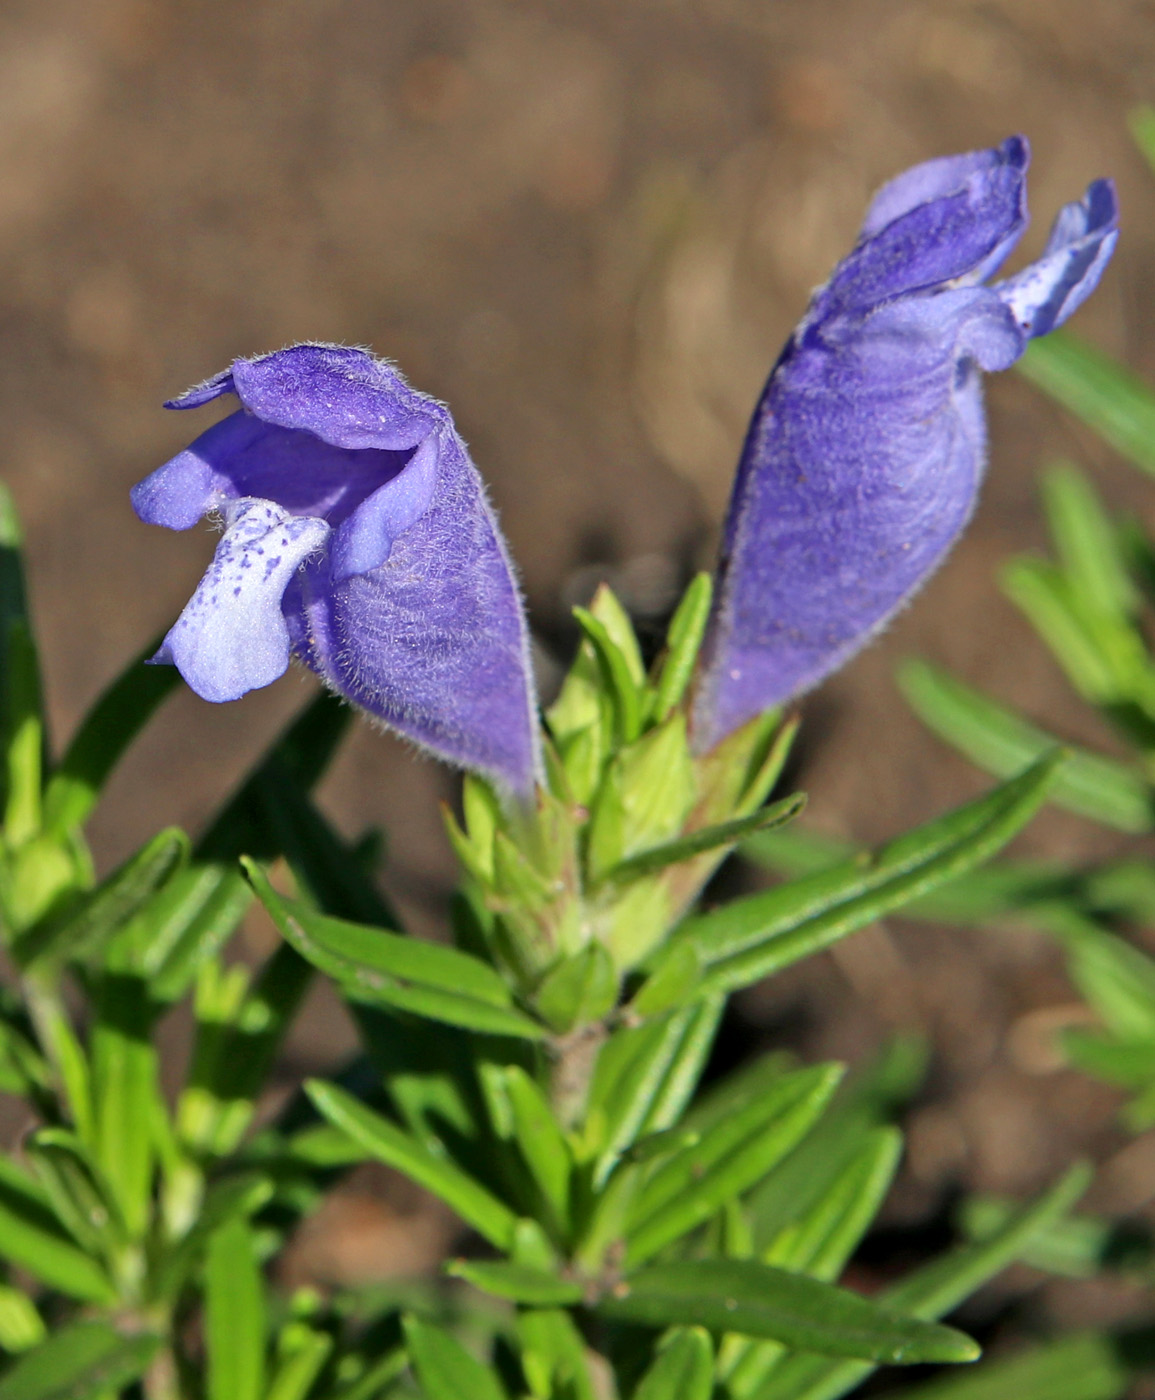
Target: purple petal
pixel 860 470
pixel 364 539
pixel 1082 240
pixel 344 396
pixel 232 637
pixel 434 641
pixel 205 392
pixel 958 236
pixel 862 463
pixel 193 482
pixel 243 456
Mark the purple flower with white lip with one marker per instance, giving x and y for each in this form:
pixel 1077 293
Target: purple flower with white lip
pixel 358 538
pixel 863 460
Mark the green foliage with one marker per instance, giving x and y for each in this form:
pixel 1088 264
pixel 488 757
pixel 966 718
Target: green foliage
pixel 643 1236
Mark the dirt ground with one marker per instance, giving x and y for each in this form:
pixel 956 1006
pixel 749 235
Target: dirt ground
pixel 588 227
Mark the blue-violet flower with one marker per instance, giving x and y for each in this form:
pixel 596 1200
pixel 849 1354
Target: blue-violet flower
pixel 357 537
pixel 864 456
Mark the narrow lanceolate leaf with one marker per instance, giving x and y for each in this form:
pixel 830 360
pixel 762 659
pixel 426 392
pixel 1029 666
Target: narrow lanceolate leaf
pixel 123 894
pixel 444 1369
pixel 1092 386
pixel 374 965
pixel 683 642
pixel 1085 1366
pixel 388 1143
pixel 1001 741
pixel 102 739
pixel 683 1369
pixel 820 1241
pixel 753 937
pixel 518 1283
pixel 931 1291
pixel 709 838
pixel 22 733
pixel 125 1088
pixel 83 1361
pixel 645 1075
pixel 619 676
pixel 542 1143
pixel 730 1156
pixel 32 1238
pixel 188 922
pixel 744 1296
pixel 234 1315
pixel 302 1365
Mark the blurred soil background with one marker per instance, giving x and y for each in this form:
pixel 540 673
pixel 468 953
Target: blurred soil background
pixel 588 227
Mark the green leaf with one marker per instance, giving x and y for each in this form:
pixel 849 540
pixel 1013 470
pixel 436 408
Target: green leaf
pixel 554 1356
pixel 1001 741
pixel 518 1283
pixel 1084 1366
pixel 708 838
pixel 620 630
pixel 1117 979
pixel 21 1326
pixel 645 1075
pixel 751 938
pixel 732 1153
pixel 234 1315
pixel 683 642
pixel 374 965
pixel 744 1296
pixel 235 1047
pixel 820 1240
pixel 125 1086
pixel 981 897
pixel 1080 1246
pixel 1088 542
pixel 383 1140
pixel 230 1199
pixel 188 922
pixel 578 990
pixel 104 735
pixel 1047 599
pixel 621 678
pixel 444 1369
pixel 682 1370
pixel 931 1291
pixel 1141 121
pixel 23 734
pixel 1092 386
pixel 77 1189
pixel 82 1361
pixel 302 1365
pixel 85 931
pixel 32 1238
pixel 542 1143
pixel 671 985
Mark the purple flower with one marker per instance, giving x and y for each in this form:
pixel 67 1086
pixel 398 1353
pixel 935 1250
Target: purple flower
pixel 864 456
pixel 358 538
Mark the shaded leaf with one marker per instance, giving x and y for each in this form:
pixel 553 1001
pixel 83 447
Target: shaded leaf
pixel 742 1295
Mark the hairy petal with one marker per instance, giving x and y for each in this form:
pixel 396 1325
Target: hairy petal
pixel 342 395
pixel 231 637
pixel 363 540
pixel 433 641
pixel 1082 240
pixel 862 463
